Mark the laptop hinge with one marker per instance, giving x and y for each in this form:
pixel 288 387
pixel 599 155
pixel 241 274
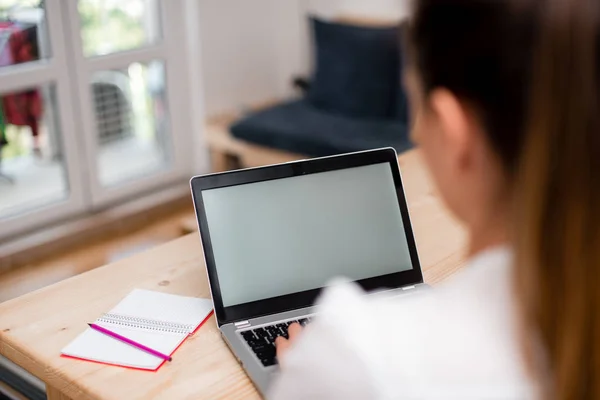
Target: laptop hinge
pixel 408 287
pixel 241 324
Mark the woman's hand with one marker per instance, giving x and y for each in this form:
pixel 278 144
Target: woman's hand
pixel 282 344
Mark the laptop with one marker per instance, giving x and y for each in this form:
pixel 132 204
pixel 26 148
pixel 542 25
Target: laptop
pixel 274 236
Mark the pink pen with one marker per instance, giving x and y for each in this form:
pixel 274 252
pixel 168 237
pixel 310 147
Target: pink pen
pixel 130 342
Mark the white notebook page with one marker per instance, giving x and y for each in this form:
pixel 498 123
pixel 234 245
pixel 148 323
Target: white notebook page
pixel 157 320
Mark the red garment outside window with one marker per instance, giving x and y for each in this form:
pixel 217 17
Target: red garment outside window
pixel 22 108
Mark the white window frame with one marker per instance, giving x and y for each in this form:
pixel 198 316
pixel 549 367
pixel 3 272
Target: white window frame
pixel 172 50
pixel 71 73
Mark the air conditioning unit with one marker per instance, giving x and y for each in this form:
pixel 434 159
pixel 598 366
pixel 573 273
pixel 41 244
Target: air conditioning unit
pixel 112 106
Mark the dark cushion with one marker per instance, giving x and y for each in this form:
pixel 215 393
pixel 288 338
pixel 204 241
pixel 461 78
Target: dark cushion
pixel 357 69
pixel 301 128
pixel 401 111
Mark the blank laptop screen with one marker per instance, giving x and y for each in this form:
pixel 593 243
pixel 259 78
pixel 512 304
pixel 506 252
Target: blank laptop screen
pixel 289 235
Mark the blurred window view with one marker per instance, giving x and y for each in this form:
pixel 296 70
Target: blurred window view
pixel 31 168
pixel 128 103
pixel 109 26
pixel 23 32
pixel 131 121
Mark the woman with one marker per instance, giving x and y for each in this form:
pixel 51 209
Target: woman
pixel 506 113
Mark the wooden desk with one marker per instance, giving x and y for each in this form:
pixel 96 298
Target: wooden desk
pixel 35 327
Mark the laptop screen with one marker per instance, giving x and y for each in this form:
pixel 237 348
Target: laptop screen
pixel 289 235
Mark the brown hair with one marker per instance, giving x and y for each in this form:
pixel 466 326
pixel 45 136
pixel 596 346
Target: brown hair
pixel 531 70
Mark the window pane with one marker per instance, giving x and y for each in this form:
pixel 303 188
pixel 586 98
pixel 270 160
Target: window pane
pixel 23 32
pixel 131 122
pixel 31 159
pixel 109 26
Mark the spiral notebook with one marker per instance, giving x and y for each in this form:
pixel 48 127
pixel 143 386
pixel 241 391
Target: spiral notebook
pixel 157 320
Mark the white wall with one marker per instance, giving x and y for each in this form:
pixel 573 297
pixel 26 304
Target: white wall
pixel 251 49
pixel 377 9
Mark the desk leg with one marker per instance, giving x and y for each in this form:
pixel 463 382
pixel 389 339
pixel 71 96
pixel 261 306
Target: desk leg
pixel 55 394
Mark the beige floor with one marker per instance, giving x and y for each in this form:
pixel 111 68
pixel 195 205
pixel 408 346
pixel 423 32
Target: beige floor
pixel 19 281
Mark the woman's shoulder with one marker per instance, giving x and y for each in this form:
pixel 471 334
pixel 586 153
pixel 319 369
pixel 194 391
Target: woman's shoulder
pixel 456 341
pixel 462 330
pixel 484 284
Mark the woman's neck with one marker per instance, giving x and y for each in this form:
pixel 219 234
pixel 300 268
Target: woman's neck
pixel 480 243
pixel 491 232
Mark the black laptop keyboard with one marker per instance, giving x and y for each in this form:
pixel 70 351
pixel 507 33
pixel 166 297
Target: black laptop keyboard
pixel 262 340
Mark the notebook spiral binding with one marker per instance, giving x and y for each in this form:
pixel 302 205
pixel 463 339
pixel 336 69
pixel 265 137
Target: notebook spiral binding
pixel 149 324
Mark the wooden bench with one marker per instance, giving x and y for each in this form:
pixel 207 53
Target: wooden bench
pixel 228 152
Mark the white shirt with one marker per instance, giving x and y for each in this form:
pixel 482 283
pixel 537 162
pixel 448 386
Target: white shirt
pixel 457 341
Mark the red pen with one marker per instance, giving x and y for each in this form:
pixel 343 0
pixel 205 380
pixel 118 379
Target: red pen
pixel 130 342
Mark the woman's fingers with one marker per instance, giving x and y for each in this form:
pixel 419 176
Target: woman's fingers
pixel 294 330
pixel 282 344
